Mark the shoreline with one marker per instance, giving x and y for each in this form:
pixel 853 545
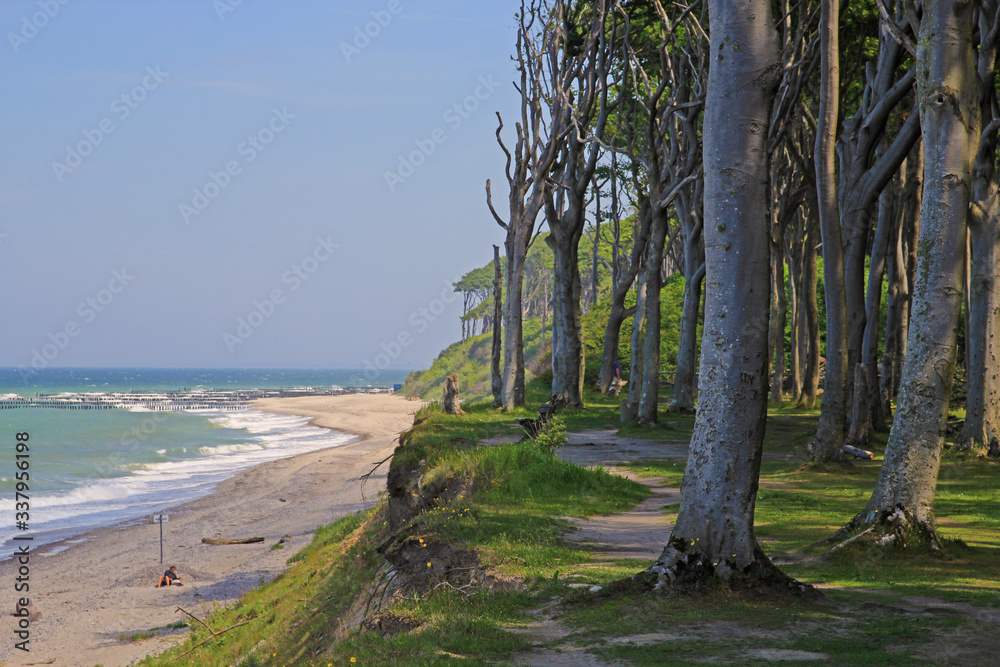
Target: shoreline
pixel 92 592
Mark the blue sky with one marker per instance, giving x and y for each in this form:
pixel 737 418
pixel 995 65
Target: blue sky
pixel 204 182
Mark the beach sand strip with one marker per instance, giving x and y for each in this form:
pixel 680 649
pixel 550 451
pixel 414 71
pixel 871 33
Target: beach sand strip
pixel 96 591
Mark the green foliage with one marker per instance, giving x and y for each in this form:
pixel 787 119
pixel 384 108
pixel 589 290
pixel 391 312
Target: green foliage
pixel 552 435
pixel 471 360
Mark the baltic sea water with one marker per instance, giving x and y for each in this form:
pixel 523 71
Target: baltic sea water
pixel 93 468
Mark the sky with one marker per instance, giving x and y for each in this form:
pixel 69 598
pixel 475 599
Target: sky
pixel 246 183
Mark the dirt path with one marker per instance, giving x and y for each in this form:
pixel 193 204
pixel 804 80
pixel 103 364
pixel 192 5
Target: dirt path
pixel 641 532
pixel 638 533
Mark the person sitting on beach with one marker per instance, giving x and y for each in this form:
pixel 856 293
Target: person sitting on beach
pixel 170 578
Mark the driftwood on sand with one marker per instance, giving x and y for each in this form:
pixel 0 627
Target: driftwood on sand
pixel 240 540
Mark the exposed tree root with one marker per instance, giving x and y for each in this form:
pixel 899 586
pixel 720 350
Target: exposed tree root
pixel 693 572
pixel 897 528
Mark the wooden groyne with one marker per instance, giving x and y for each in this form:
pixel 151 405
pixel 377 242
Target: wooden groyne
pixel 173 401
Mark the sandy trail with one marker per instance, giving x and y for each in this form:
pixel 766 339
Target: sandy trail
pixel 101 589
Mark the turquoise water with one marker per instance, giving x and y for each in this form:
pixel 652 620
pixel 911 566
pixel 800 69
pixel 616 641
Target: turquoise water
pixel 91 468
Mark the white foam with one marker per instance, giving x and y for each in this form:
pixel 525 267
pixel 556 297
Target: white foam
pixel 151 487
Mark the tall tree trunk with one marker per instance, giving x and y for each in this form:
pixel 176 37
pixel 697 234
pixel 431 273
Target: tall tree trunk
pixel 622 286
pixel 895 290
pixel 982 407
pixel 630 407
pixel 513 321
pixel 685 379
pixel 594 273
pixel 871 402
pixel 829 442
pixel 910 229
pixel 567 338
pixel 781 312
pixel 810 307
pixel 713 536
pixel 649 397
pixel 690 210
pixel 496 376
pixel 902 502
pixel 794 319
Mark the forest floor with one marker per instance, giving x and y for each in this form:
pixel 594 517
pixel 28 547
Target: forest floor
pixel 961 633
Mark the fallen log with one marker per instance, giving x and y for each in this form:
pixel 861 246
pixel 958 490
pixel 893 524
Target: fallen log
pixel 241 540
pixel 857 452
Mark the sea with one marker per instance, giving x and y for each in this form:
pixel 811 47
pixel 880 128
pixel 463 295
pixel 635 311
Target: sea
pixel 93 468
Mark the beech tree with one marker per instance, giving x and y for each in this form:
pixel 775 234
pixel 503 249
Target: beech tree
pixel 713 536
pixel 527 168
pixel 982 407
pixel 901 505
pixel 578 64
pixel 828 445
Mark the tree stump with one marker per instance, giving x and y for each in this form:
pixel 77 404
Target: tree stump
pixel 450 402
pixel 629 411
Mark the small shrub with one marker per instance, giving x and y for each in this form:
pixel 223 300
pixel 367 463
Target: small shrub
pixel 552 435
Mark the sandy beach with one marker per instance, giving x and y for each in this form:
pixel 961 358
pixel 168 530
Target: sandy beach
pixel 103 588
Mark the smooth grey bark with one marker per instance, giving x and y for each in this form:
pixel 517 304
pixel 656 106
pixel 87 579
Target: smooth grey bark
pixel 871 401
pixel 862 176
pixel 829 442
pixel 797 340
pixel 513 318
pixel 652 279
pixel 713 536
pixel 567 339
pixel 630 406
pixel 780 304
pixel 580 94
pixel 496 376
pixel 896 290
pixel 526 170
pixel 982 407
pixel 902 502
pixel 860 180
pixel 622 286
pixel 910 230
pixel 810 307
pixel 685 378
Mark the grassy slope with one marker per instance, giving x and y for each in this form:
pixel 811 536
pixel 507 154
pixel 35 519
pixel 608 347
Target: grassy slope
pixel 514 521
